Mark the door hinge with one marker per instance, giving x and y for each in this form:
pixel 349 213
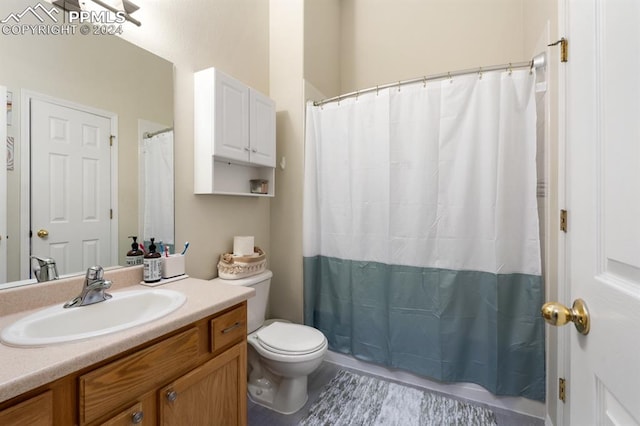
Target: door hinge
pixel 110 213
pixel 563 220
pixel 564 49
pixel 111 138
pixel 562 389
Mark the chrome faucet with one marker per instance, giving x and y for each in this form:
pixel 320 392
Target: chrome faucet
pixel 93 289
pixel 46 269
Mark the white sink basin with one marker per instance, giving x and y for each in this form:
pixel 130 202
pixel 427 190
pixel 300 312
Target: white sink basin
pixel 58 325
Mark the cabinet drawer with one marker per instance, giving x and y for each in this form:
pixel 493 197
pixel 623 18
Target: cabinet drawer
pixel 110 387
pixel 229 328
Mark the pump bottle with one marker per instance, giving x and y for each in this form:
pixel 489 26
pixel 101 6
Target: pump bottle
pixel 152 263
pixel 135 255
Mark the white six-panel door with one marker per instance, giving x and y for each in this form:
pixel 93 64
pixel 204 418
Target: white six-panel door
pixel 602 89
pixel 70 186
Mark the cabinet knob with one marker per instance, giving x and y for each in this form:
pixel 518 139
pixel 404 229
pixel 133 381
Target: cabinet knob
pixel 246 148
pixel 172 396
pixel 254 150
pixel 137 417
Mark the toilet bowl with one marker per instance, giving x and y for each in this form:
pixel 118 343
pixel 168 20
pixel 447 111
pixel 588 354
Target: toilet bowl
pixel 281 357
pixel 280 354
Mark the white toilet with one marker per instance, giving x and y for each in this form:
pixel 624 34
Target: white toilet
pixel 280 354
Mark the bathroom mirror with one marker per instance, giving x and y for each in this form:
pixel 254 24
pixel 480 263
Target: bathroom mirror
pixel 104 74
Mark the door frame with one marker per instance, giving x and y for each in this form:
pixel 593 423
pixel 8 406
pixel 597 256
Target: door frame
pixel 563 280
pixel 3 184
pixel 25 173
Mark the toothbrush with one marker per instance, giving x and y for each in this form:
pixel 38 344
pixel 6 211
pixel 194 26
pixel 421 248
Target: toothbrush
pixel 161 247
pixel 142 248
pixel 166 251
pixel 186 246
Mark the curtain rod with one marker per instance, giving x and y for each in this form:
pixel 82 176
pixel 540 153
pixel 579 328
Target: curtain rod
pixel 148 135
pixel 538 61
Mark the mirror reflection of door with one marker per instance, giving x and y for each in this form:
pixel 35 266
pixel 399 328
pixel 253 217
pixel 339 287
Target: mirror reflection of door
pixel 70 186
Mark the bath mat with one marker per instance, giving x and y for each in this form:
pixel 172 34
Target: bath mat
pixel 353 399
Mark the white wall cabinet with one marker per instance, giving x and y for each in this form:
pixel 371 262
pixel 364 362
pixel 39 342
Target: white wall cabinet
pixel 234 135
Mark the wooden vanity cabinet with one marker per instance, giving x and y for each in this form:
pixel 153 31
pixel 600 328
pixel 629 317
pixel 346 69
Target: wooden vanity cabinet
pixel 193 376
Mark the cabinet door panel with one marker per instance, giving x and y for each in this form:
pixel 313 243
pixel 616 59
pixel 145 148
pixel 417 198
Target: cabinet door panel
pixel 133 415
pixel 231 133
pixel 262 131
pixel 37 411
pixel 212 394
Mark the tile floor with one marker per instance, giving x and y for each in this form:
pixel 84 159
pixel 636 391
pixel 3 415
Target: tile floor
pixel 260 416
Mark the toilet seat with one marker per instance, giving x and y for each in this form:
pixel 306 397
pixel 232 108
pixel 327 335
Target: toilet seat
pixel 290 339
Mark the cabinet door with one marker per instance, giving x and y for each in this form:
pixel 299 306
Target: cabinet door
pixel 262 131
pixel 231 133
pixel 37 411
pixel 212 394
pixel 133 415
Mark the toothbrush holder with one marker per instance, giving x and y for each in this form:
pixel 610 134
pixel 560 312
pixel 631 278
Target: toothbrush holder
pixel 173 266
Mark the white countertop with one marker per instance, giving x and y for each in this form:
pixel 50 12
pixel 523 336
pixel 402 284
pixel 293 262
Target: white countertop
pixel 23 369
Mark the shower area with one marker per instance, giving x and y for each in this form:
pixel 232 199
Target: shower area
pixel 423 226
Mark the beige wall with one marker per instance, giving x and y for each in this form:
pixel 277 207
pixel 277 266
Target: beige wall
pixel 102 72
pixel 322 45
pixel 234 37
pixel 286 73
pixel 389 40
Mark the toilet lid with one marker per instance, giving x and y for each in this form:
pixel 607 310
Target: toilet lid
pixel 291 339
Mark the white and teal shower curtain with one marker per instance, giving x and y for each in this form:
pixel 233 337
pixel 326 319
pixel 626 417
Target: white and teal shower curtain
pixel 421 242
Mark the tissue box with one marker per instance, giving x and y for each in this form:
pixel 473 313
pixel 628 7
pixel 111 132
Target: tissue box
pixel 173 266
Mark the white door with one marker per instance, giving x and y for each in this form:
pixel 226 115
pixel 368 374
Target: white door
pixel 70 186
pixel 603 201
pixel 3 184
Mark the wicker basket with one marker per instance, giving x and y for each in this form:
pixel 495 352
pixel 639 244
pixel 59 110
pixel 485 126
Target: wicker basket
pixel 232 267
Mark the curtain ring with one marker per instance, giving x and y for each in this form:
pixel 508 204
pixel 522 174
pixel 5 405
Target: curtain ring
pixel 450 77
pixel 398 86
pixel 376 90
pixel 510 69
pixel 357 94
pixel 424 81
pixel 479 73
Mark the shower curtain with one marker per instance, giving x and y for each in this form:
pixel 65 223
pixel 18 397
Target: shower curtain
pixel 421 244
pixel 157 154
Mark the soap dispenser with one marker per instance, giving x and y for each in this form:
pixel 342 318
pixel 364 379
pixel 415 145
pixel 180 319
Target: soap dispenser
pixel 152 263
pixel 134 256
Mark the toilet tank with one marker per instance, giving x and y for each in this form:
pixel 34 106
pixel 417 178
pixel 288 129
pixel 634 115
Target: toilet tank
pixel 256 305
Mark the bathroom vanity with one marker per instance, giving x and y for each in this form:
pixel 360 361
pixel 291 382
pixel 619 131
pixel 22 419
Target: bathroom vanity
pixel 186 368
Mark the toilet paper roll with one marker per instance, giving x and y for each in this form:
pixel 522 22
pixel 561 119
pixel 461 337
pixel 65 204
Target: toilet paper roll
pixel 242 246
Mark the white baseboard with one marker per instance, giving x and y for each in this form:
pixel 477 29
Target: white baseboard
pixel 467 391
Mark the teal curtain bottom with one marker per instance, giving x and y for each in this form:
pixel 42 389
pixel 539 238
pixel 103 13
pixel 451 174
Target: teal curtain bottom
pixel 452 326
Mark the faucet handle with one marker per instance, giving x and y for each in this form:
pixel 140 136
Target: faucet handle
pixel 95 273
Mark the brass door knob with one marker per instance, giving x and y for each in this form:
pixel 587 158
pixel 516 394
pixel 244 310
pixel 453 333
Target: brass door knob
pixel 557 314
pixel 43 233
